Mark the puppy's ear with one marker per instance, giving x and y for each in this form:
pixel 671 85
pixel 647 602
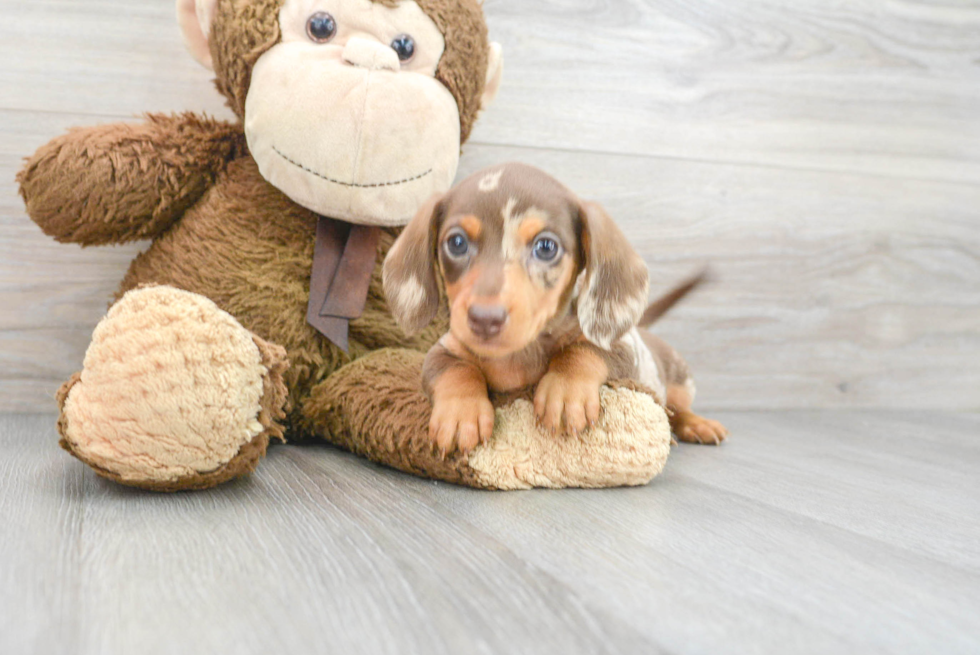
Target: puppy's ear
pixel 613 287
pixel 409 272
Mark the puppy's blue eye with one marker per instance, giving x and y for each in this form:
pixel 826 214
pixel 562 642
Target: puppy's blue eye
pixel 457 245
pixel 546 249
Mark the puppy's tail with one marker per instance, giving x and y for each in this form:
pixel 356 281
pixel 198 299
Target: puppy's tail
pixel 662 305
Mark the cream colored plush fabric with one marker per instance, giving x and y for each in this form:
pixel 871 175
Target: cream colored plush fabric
pixel 305 98
pixel 171 387
pixel 194 18
pixel 628 447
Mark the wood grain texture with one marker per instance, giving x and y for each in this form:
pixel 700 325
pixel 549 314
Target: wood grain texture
pixel 808 532
pixel 825 159
pixel 888 87
pixel 105 58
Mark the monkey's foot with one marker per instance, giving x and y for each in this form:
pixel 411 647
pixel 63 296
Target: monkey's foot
pixel 375 407
pixel 174 394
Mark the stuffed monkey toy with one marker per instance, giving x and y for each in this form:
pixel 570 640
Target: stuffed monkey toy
pixel 257 310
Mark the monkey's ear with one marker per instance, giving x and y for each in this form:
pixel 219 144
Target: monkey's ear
pixel 194 18
pixel 613 287
pixel 409 272
pixel 495 73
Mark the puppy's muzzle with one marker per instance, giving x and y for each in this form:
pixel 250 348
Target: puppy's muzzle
pixel 486 321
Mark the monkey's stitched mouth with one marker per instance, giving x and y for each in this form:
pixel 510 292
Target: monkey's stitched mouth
pixel 350 184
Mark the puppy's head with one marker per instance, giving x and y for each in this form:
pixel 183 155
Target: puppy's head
pixel 516 250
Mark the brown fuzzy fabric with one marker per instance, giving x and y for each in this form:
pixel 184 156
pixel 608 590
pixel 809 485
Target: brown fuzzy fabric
pixel 273 397
pixel 375 407
pixel 60 397
pixel 241 32
pixel 274 401
pixel 249 248
pixel 244 29
pixel 109 167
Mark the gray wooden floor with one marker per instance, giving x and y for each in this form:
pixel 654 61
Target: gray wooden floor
pixel 810 532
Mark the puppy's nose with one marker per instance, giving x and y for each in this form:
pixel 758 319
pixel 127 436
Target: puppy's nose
pixel 487 320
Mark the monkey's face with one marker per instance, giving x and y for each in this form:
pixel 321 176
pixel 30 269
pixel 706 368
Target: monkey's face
pixel 344 114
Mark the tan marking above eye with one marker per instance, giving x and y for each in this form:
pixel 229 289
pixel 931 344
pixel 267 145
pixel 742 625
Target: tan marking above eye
pixel 521 230
pixel 473 227
pixel 530 228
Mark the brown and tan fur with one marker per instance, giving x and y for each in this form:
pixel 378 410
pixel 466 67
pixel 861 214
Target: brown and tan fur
pixel 520 317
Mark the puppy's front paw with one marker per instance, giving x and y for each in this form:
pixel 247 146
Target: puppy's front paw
pixel 568 404
pixel 465 420
pixel 691 428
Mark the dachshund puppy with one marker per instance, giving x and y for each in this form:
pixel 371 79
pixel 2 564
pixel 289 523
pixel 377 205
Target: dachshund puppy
pixel 543 290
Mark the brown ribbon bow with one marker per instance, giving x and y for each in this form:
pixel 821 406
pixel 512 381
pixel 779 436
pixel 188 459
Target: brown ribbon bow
pixel 343 261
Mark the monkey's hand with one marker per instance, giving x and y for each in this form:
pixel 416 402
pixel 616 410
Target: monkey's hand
pixel 125 181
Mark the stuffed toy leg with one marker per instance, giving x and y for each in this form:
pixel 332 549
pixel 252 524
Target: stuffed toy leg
pixel 176 394
pixel 375 407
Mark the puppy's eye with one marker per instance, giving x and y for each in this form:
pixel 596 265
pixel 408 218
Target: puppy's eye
pixel 321 27
pixel 457 245
pixel 546 249
pixel 404 47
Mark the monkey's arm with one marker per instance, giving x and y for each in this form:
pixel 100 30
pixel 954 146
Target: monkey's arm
pixel 375 407
pixel 123 182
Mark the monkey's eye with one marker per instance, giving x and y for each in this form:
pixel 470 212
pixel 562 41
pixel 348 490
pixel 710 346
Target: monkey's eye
pixel 404 47
pixel 546 248
pixel 457 245
pixel 321 27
